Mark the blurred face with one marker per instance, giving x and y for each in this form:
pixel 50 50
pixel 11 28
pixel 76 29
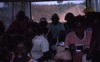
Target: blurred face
pixel 20 50
pixel 79 28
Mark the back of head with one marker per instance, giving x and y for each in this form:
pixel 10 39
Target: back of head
pixel 36 28
pixel 20 15
pixel 55 18
pixel 43 22
pixel 69 17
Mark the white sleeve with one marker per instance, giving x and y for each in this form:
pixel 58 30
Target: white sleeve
pixel 32 60
pixel 45 45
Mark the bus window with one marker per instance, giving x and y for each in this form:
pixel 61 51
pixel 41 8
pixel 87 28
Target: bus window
pixel 47 8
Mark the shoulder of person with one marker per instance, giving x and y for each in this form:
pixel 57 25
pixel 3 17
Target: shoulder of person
pixel 71 33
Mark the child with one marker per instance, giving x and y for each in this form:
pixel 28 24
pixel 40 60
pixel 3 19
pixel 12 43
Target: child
pixel 21 51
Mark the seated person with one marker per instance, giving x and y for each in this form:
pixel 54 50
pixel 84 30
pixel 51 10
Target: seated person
pixel 20 53
pixel 40 47
pixel 77 37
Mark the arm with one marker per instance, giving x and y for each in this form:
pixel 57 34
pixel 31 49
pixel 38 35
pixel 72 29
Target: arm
pixel 45 49
pixel 32 60
pixel 44 57
pixel 93 44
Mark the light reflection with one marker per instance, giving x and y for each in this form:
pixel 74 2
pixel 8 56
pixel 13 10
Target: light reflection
pixel 56 2
pixel 1 4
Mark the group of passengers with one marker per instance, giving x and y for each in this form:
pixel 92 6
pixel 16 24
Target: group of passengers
pixel 26 41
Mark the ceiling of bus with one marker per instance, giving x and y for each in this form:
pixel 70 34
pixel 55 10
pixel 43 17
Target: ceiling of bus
pixel 57 0
pixel 34 0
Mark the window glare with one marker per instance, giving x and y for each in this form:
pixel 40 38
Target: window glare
pixel 47 8
pixel 56 2
pixel 1 4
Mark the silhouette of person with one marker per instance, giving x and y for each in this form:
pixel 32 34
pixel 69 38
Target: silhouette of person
pixel 57 29
pixel 21 50
pixel 40 45
pixel 20 25
pixel 78 37
pixel 94 52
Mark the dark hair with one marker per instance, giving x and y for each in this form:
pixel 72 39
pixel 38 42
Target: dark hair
pixel 69 17
pixel 26 17
pixel 20 15
pixel 43 22
pixel 79 19
pixel 35 27
pixel 55 16
pixel 18 39
pixel 43 18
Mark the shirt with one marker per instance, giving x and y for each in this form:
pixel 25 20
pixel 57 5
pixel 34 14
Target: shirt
pixel 55 29
pixel 40 45
pixel 71 38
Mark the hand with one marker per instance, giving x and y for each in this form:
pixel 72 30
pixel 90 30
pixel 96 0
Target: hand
pixel 12 55
pixel 88 57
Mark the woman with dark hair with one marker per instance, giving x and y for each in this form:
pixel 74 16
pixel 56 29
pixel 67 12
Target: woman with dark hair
pixel 79 37
pixel 69 18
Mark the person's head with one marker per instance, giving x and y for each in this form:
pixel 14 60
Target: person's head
pixel 20 15
pixel 21 46
pixel 55 18
pixel 79 25
pixel 69 17
pixel 35 27
pixel 43 22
